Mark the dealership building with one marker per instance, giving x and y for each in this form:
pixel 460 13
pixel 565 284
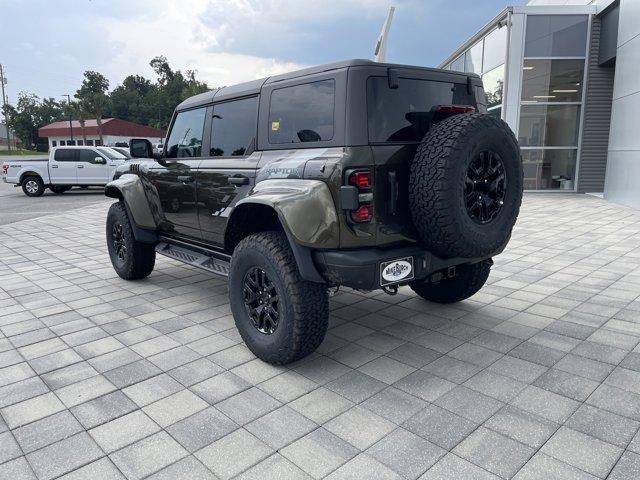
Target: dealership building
pixel 565 76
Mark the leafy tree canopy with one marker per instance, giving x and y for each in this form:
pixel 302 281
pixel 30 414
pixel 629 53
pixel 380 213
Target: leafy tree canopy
pixel 136 99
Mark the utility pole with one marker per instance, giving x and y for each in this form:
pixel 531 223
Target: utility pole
pixel 70 117
pixel 3 81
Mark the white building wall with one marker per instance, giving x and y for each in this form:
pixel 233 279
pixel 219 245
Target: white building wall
pixel 108 140
pixel 623 160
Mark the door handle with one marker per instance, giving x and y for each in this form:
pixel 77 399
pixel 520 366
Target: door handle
pixel 54 166
pixel 239 180
pixel 185 179
pixel 80 166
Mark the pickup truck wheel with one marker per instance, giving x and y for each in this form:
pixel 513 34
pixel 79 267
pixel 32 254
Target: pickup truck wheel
pixel 281 317
pixel 466 186
pixel 469 279
pixel 33 186
pixel 131 259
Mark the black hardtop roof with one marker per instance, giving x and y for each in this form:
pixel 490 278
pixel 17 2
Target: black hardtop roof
pixel 253 87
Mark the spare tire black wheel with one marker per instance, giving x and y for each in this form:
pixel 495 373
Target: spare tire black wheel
pixel 466 186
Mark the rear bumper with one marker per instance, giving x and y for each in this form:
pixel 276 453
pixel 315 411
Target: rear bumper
pixel 362 269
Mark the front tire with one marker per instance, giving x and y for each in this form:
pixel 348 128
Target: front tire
pixel 280 316
pixel 33 186
pixel 469 279
pixel 131 259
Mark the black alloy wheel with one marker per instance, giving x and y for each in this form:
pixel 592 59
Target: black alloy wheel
pixel 485 187
pixel 261 300
pixel 119 245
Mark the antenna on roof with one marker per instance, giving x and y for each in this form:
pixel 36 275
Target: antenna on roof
pixel 381 47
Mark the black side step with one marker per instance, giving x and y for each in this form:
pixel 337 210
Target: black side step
pixel 211 263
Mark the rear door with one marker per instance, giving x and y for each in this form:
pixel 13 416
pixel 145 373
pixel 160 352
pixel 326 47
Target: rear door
pixel 175 178
pixel 227 173
pixel 63 167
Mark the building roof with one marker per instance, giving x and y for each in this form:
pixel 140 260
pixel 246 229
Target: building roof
pixel 110 126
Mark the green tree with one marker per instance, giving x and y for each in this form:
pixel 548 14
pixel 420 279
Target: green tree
pixel 29 114
pixel 92 94
pixel 130 101
pixel 172 87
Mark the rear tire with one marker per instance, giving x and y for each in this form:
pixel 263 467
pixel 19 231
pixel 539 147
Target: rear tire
pixel 32 186
pixel 131 259
pixel 280 316
pixel 468 281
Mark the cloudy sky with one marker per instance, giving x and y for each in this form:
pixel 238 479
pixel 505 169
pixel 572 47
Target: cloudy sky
pixel 46 45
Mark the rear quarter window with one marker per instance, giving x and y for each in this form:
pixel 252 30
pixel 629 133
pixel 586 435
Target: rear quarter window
pixel 302 113
pixel 404 114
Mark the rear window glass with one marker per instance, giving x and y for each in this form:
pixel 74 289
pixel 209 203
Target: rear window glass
pixel 404 114
pixel 64 155
pixel 302 113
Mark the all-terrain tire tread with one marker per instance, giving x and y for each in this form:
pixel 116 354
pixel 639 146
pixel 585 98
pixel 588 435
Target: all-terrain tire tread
pixel 433 194
pixel 309 300
pixel 141 263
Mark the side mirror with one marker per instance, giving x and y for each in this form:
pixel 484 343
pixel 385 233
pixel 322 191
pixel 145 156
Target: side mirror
pixel 141 148
pixel 99 160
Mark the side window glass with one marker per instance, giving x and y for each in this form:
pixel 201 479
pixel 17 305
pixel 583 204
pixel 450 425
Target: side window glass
pixel 64 155
pixel 233 127
pixel 185 139
pixel 302 113
pixel 87 155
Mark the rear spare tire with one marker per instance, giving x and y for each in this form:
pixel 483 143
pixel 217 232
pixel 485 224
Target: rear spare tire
pixel 466 186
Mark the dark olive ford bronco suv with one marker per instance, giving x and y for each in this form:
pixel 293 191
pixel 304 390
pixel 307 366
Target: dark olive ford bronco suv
pixel 356 174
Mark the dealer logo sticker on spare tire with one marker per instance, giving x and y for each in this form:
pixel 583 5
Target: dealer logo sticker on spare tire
pixel 396 271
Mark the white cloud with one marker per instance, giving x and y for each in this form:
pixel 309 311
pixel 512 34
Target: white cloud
pixel 202 34
pixel 179 33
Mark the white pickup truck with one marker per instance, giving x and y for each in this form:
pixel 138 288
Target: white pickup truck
pixel 65 167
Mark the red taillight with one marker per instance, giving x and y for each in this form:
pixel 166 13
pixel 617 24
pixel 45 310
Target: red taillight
pixel 455 109
pixel 5 168
pixel 362 180
pixel 360 203
pixel 363 214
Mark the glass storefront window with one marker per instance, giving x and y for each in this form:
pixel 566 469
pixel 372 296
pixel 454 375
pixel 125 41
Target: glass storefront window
pixel 552 169
pixel 556 36
pixel 458 64
pixel 473 58
pixel 552 80
pixel 549 125
pixel 495 47
pixel 493 83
